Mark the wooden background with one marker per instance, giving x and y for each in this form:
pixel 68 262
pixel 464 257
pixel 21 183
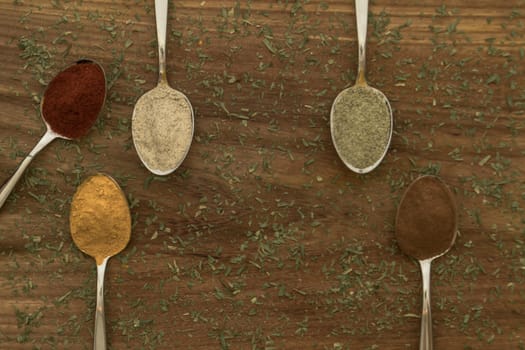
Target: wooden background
pixel 262 239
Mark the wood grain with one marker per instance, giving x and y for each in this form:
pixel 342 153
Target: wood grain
pixel 263 239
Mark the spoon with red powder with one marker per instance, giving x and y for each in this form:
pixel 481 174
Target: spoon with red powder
pixel 426 228
pixel 70 107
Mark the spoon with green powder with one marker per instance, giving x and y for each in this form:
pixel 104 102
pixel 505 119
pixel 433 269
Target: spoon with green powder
pixel 361 117
pixel 162 122
pixel 425 229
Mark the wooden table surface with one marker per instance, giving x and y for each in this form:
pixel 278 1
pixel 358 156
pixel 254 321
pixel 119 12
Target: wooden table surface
pixel 262 239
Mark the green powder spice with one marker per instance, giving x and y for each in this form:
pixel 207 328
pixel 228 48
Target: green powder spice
pixel 360 126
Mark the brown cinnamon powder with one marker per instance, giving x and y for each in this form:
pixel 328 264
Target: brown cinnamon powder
pixel 426 221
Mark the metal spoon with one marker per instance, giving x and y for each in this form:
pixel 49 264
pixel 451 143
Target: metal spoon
pixel 425 249
pixel 148 104
pixel 99 214
pixel 46 139
pixel 361 7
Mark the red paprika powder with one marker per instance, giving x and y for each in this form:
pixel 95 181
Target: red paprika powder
pixel 74 98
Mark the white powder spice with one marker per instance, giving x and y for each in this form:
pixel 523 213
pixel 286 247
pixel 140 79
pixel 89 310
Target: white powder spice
pixel 162 127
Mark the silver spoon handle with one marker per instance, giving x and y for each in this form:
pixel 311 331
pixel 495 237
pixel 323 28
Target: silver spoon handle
pixel 10 184
pixel 361 15
pixel 100 318
pixel 425 340
pixel 161 17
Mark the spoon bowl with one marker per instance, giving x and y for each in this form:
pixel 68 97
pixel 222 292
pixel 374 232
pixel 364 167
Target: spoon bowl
pixel 348 139
pixel 361 120
pixel 425 229
pixel 50 133
pixel 162 145
pixel 162 124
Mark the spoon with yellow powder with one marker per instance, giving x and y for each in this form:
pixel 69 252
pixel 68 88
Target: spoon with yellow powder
pixel 100 225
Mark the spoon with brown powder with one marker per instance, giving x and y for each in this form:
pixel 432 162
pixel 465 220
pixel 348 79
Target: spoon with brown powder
pixel 426 228
pixel 100 225
pixel 71 104
pixel 361 119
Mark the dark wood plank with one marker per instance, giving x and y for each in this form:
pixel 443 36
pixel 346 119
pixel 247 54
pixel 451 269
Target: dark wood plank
pixel 263 239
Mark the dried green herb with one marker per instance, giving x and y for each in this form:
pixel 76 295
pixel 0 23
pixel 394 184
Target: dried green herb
pixel 360 126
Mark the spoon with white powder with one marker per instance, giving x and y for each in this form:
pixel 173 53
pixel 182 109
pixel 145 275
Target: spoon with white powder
pixel 162 122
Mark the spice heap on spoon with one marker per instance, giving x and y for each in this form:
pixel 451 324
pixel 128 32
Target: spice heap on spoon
pixel 100 225
pixel 426 228
pixel 361 119
pixel 70 106
pixel 162 122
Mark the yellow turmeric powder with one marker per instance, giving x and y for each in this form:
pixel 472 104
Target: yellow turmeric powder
pixel 100 220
